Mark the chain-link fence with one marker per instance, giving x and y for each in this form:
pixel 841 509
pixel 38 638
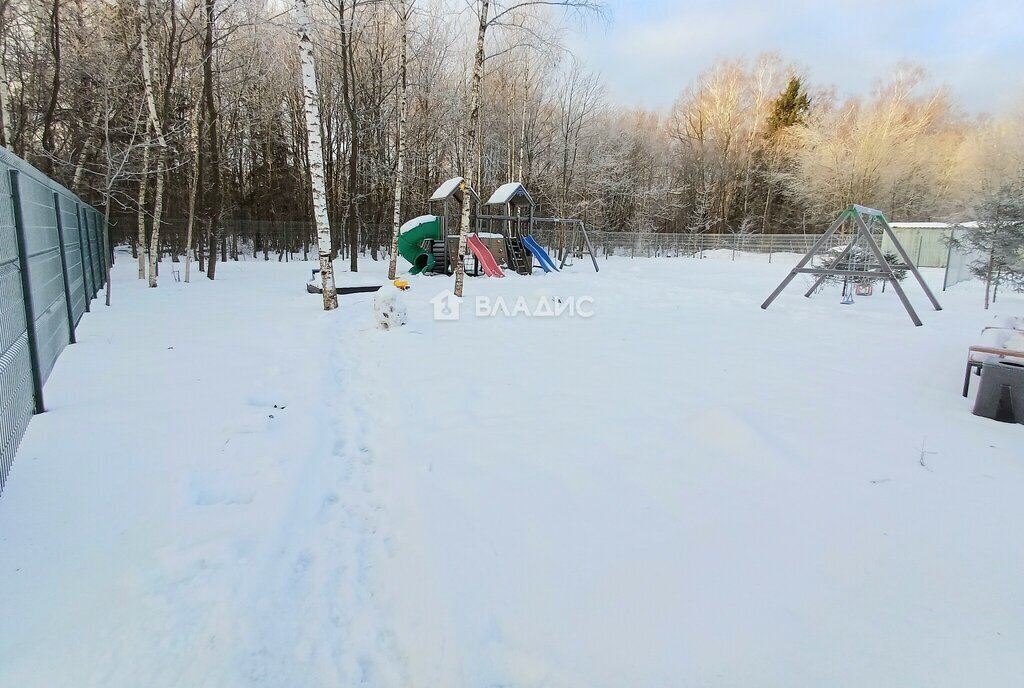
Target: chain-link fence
pixel 285 240
pixel 52 264
pixel 757 247
pixel 242 240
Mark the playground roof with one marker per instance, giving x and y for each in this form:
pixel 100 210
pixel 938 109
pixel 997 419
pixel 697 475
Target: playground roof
pixel 513 192
pixel 864 210
pixel 448 189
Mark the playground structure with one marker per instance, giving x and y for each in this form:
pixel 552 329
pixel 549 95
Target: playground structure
pixel 864 222
pixel 503 236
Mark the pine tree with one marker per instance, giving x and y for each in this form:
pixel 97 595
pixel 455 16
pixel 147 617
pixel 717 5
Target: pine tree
pixel 789 108
pixel 859 258
pixel 997 241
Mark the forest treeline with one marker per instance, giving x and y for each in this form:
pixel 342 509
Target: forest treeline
pixel 749 146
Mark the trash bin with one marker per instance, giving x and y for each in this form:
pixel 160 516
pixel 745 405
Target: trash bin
pixel 1001 392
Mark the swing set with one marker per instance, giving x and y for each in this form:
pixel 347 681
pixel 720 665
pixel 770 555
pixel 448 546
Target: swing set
pixel 865 222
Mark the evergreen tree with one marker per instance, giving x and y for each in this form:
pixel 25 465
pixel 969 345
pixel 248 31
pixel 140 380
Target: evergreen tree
pixel 860 258
pixel 789 108
pixel 997 240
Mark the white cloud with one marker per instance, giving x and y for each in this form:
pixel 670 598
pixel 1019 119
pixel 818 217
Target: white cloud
pixel 651 52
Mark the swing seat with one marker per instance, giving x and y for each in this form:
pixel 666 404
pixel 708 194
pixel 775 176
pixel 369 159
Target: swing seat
pixel 863 290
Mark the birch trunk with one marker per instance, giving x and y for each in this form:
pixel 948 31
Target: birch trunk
pixel 311 96
pixel 142 203
pixel 193 192
pixel 522 125
pixel 5 85
pixel 471 147
pixel 108 183
pixel 87 149
pixel 161 142
pixel 106 233
pixel 5 102
pixel 400 168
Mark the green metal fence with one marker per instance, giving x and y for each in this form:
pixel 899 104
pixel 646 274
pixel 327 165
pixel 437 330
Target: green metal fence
pixel 52 264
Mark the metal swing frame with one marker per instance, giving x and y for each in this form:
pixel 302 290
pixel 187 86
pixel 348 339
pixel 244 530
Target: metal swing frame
pixel 883 270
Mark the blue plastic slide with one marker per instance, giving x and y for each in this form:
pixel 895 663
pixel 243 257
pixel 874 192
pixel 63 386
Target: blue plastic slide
pixel 541 255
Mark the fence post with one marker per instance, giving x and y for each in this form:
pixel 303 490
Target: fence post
pixel 93 287
pixel 26 289
pixel 106 252
pixel 83 230
pixel 97 264
pixel 81 254
pixel 64 269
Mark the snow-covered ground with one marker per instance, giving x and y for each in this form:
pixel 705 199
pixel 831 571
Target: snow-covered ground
pixel 233 488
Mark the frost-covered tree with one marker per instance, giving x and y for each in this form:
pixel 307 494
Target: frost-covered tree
pixel 316 164
pixel 506 15
pixel 997 239
pixel 403 8
pixel 156 126
pixel 889 152
pixel 751 145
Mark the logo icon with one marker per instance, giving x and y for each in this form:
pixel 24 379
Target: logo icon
pixel 446 306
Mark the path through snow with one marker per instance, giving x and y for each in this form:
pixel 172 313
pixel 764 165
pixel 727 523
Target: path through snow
pixel 196 508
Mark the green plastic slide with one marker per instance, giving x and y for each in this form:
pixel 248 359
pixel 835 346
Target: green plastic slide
pixel 410 241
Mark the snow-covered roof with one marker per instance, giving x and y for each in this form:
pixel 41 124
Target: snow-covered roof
pixel 447 189
pixel 510 193
pixel 920 225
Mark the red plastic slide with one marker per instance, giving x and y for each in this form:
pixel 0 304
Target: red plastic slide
pixel 487 261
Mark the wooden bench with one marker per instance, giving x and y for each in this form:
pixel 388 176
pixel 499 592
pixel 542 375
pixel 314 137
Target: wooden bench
pixel 978 354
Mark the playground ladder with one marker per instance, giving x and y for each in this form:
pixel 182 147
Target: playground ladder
pixel 439 249
pixel 517 255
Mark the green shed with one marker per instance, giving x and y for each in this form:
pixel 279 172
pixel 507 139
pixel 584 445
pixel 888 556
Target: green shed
pixel 926 242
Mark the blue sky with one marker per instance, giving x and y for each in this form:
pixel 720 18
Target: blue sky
pixel 649 50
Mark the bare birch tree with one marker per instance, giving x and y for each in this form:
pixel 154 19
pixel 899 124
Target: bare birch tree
pixel 193 140
pixel 145 26
pixel 311 93
pixel 404 8
pixel 141 217
pixel 471 146
pixel 5 86
pixel 470 176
